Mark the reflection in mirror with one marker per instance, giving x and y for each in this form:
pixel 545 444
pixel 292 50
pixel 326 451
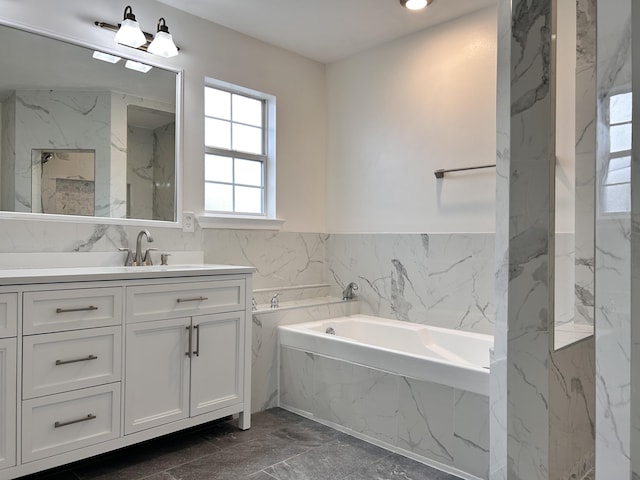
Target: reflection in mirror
pixel 150 168
pixel 63 182
pixel 58 97
pixel 574 291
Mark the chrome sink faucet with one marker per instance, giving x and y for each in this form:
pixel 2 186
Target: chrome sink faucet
pixel 139 258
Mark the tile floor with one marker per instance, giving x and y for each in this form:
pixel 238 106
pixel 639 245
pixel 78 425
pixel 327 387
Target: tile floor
pixel 280 445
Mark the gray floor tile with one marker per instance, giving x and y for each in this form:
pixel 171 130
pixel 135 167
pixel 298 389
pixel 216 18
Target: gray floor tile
pixel 147 459
pixel 332 461
pixel 242 460
pixel 397 467
pixel 279 446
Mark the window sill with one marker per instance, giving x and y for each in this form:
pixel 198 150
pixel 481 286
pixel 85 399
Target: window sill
pixel 240 223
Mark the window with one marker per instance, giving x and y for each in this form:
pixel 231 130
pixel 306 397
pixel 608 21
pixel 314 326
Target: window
pixel 616 187
pixel 237 153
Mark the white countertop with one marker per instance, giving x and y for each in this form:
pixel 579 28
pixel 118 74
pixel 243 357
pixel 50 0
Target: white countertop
pixel 25 276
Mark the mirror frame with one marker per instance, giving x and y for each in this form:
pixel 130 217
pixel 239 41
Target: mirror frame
pixel 149 60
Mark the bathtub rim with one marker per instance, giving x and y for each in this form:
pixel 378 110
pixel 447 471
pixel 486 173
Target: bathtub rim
pixel 469 378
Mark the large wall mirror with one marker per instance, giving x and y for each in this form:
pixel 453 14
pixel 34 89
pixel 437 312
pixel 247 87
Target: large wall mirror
pixel 83 133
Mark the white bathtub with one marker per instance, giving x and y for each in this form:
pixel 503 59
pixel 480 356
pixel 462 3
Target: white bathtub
pixel 449 357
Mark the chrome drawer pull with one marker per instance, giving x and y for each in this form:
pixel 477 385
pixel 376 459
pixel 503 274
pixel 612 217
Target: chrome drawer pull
pixel 197 299
pixel 188 352
pixel 91 416
pixel 76 360
pixel 82 309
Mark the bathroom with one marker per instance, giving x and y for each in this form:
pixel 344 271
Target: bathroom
pixel 421 249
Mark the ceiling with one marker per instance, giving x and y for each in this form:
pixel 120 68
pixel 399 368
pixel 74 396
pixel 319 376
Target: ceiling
pixel 325 30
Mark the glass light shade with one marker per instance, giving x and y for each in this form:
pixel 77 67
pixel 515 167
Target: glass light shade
pixel 130 34
pixel 163 45
pixel 137 66
pixel 415 4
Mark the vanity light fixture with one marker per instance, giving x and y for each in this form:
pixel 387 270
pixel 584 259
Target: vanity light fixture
pixel 415 4
pixel 130 33
pixel 162 44
pixel 106 57
pixel 137 66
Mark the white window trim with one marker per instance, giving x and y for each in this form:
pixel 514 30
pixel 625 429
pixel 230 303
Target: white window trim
pixel 269 220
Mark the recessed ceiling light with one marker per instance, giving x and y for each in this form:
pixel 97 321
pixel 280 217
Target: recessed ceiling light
pixel 415 4
pixel 105 57
pixel 137 66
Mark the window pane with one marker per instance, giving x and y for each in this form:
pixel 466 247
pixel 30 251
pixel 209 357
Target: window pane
pixel 217 133
pixel 247 110
pixel 619 162
pixel 217 103
pixel 620 108
pixel 621 175
pixel 620 138
pixel 248 200
pixel 247 139
pixel 616 198
pixel 218 197
pixel 218 169
pixel 248 172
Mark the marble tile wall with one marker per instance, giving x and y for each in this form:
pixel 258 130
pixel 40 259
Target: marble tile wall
pixel 164 172
pixel 613 258
pixel 443 426
pixel 445 280
pixel 81 120
pixel 264 371
pixel 139 172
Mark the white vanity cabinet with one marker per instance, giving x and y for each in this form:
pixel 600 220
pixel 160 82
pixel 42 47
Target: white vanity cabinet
pixel 204 352
pixel 8 422
pixel 8 386
pixel 93 360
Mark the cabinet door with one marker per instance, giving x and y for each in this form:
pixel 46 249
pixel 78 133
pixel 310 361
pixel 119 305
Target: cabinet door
pixel 7 402
pixel 217 361
pixel 157 373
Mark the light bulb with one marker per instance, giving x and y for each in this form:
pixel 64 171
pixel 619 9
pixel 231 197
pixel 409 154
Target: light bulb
pixel 129 33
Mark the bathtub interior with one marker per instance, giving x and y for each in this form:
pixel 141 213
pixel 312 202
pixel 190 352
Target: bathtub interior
pixel 463 348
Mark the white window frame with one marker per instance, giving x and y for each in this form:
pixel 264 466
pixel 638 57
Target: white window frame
pixel 609 157
pixel 268 220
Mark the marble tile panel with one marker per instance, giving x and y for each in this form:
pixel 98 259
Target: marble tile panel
pixel 425 420
pixel 281 258
pixel 264 365
pixel 297 385
pixel 332 390
pixel 413 277
pixel 374 404
pixel 471 433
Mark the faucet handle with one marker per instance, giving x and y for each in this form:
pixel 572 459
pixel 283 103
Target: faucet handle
pixel 274 301
pixel 164 258
pixel 146 260
pixel 129 260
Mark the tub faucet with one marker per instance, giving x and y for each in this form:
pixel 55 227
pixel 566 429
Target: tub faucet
pixel 140 258
pixel 347 293
pixel 274 301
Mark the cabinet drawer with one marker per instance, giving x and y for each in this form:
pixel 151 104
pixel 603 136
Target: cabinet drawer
pixel 59 310
pixel 158 302
pixel 57 362
pixel 8 314
pixel 68 421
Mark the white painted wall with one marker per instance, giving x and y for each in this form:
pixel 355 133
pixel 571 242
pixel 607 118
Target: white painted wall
pixel 209 50
pixel 400 111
